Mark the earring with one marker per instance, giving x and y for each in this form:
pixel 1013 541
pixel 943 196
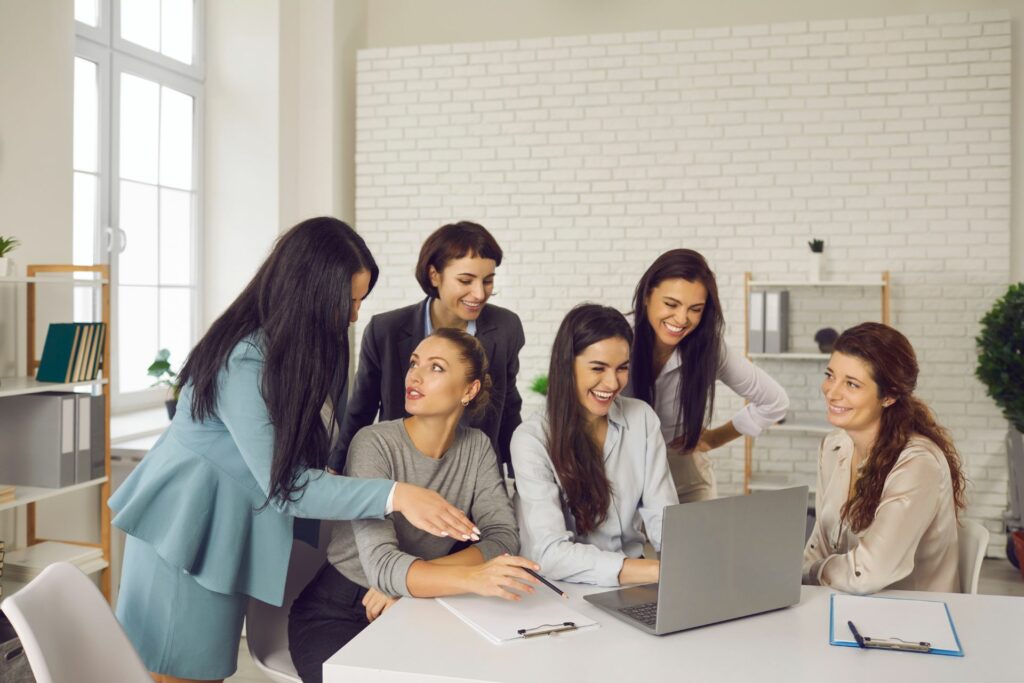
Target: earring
pixel 465 403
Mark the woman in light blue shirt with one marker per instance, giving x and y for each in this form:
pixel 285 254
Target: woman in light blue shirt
pixel 591 472
pixel 209 513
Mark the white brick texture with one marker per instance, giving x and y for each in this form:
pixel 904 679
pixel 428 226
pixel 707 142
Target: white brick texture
pixel 588 156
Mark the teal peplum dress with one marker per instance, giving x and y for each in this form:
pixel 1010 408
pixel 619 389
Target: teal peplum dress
pixel 200 540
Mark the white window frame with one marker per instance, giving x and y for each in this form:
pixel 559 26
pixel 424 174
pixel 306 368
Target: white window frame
pixel 115 56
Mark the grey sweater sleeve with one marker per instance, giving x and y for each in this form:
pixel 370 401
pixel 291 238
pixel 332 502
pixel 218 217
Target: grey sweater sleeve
pixel 384 564
pixel 492 509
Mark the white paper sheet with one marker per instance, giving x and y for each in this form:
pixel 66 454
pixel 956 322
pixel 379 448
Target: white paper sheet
pixel 890 618
pixel 500 620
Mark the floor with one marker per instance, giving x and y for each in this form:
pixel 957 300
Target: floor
pixel 998 577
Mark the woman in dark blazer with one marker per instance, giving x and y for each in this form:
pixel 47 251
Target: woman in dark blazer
pixel 456 271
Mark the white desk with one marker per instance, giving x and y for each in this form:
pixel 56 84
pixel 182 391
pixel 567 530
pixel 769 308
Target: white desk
pixel 420 640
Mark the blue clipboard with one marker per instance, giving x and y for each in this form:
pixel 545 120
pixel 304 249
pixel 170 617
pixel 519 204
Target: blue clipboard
pixel 841 637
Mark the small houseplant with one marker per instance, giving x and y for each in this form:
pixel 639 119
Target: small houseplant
pixel 817 263
pixel 7 245
pixel 1001 370
pixel 540 385
pixel 165 376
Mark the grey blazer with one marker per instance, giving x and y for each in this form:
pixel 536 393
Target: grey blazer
pixel 379 388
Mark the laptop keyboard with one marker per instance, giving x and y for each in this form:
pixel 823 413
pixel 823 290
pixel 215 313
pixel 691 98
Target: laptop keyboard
pixel 646 614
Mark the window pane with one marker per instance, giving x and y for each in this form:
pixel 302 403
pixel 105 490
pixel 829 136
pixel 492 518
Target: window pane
pixel 176 323
pixel 140 126
pixel 136 336
pixel 175 139
pixel 137 264
pixel 87 113
pixel 87 12
pixel 175 237
pixel 140 22
pixel 176 29
pixel 84 218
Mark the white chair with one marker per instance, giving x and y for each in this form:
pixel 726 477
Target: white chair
pixel 973 539
pixel 69 632
pixel 266 626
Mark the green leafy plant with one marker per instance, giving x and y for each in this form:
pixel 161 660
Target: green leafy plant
pixel 817 246
pixel 1001 354
pixel 540 385
pixel 7 244
pixel 161 369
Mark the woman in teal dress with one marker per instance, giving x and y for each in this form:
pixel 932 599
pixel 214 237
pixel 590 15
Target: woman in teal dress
pixel 209 512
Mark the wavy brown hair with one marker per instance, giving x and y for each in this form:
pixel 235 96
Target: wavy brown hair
pixel 576 455
pixel 893 366
pixel 699 352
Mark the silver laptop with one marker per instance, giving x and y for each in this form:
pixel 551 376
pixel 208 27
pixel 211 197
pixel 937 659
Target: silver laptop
pixel 720 559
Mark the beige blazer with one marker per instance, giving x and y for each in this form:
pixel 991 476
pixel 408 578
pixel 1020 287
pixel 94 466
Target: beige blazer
pixel 912 542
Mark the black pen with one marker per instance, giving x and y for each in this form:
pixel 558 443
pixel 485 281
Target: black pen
pixel 547 583
pixel 856 634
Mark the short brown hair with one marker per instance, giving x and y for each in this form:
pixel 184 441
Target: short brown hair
pixel 450 242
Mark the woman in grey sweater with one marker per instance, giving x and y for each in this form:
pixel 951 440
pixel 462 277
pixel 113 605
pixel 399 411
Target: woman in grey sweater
pixel 373 564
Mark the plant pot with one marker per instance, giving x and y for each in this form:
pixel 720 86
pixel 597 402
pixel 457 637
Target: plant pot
pixel 6 266
pixel 816 266
pixel 172 407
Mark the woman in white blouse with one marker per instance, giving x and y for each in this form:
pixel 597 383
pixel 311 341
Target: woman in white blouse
pixel 889 479
pixel 678 353
pixel 591 470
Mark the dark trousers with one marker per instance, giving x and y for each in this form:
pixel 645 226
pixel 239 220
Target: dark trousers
pixel 325 616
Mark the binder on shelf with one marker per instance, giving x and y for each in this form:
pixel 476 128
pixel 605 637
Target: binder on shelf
pixel 57 363
pixel 776 321
pixel 906 624
pixel 72 352
pixel 97 437
pixel 501 621
pixel 38 448
pixel 756 331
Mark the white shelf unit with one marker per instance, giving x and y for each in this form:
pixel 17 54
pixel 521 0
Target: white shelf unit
pixel 27 496
pixel 766 481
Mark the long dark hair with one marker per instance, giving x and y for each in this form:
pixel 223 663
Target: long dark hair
pixel 893 366
pixel 577 457
pixel 298 307
pixel 699 351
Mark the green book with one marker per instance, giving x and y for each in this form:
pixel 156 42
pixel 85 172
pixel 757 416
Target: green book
pixel 62 341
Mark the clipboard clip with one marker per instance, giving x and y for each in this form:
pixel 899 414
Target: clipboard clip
pixel 546 629
pixel 897 644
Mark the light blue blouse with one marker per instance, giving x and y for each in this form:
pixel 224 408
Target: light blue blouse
pixel 636 466
pixel 198 496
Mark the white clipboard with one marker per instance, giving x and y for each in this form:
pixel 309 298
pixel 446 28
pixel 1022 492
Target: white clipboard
pixel 502 621
pixel 894 620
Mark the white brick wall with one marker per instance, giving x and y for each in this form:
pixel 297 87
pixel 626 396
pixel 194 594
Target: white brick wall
pixel 587 156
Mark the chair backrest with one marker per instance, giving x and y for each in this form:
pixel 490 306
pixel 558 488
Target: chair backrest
pixel 973 539
pixel 69 632
pixel 266 626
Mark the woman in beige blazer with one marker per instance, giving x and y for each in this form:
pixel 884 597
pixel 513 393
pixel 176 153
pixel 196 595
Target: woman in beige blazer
pixel 890 485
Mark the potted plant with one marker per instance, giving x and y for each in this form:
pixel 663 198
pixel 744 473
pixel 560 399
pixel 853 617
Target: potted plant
pixel 7 245
pixel 1001 370
pixel 540 385
pixel 817 263
pixel 161 369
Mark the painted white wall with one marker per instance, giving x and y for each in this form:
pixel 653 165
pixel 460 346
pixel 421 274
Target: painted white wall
pixel 36 101
pixel 394 23
pixel 243 164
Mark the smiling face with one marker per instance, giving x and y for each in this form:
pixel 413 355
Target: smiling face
pixel 435 383
pixel 601 372
pixel 851 394
pixel 674 310
pixel 465 285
